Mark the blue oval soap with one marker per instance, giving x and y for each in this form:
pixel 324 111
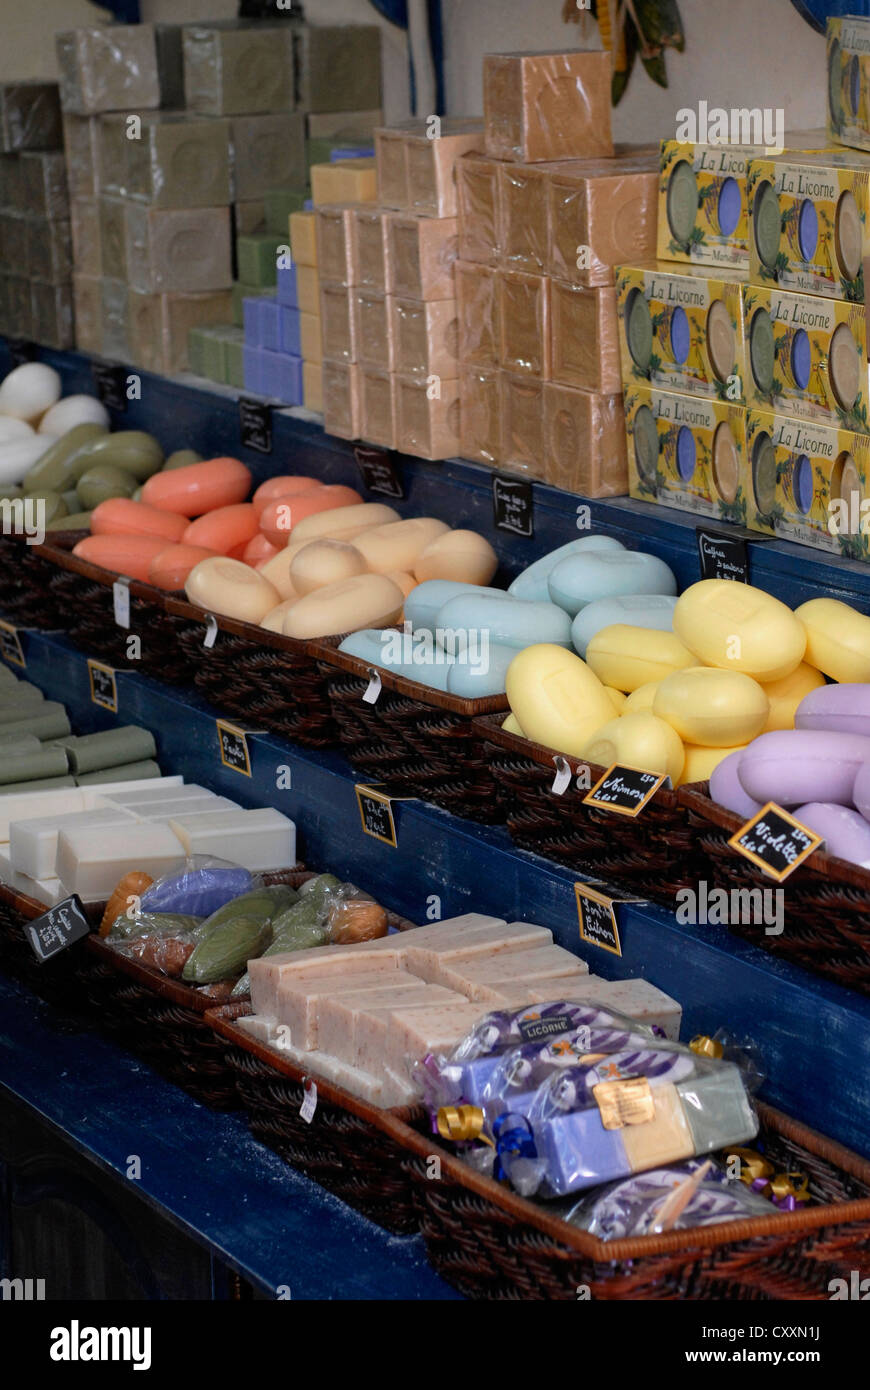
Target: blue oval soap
pixel 637 610
pixel 472 679
pixel 512 622
pixel 532 583
pixel 580 579
pixel 424 602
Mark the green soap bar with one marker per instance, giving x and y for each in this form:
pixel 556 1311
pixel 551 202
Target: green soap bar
pixel 102 481
pixel 257 258
pixel 127 772
pixel 181 459
pixel 14 744
pixel 44 762
pixel 134 450
pixel 71 498
pixel 76 521
pixel 280 202
pixel 196 351
pixel 214 364
pixel 49 473
pixel 111 748
pixel 14 713
pixel 42 784
pixel 241 292
pixel 48 721
pixel 236 362
pixel 646 445
pixel 52 505
pixel 639 330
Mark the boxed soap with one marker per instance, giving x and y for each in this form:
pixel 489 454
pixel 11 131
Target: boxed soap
pixel 88 304
pixel 522 424
pixel 344 181
pixel 368 247
pixel 52 314
pixel 601 215
pixel 337 323
pixel 540 106
pixel 430 162
pixel 338 64
pixel 524 237
pixel 377 406
pixel 239 69
pixel 303 238
pixel 425 336
pixel 585 337
pixel 112 68
pixel 29 116
pixel 806 357
pixel 49 250
pixel 178 249
pixel 584 437
pixel 422 251
pixel 848 49
pixel 179 161
pixel 268 153
pixel 524 315
pixel 43 183
pixel 480 413
pixel 85 233
pixel 334 230
pixel 477 205
pixel 81 148
pixel 478 302
pixel 681 327
pixel 341 399
pixel 372 328
pixel 427 417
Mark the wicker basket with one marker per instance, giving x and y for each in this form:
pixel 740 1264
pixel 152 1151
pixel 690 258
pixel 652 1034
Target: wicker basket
pixel 826 926
pixel 26 572
pixel 492 1244
pixel 419 740
pixel 57 981
pixel 654 849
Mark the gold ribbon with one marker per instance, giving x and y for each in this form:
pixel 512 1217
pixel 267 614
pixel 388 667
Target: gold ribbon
pixel 752 1165
pixel 795 1185
pixel 706 1047
pixel 462 1123
pixel 778 1186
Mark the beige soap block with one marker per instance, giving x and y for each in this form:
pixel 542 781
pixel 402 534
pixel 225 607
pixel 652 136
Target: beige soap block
pixel 308 289
pixel 477 202
pixel 178 250
pixel 392 168
pixel 268 153
pixel 478 300
pixel 522 424
pixel 85 230
pixel 298 1001
pixel 52 313
pixel 113 238
pixel 158 326
pixel 422 251
pixel 517 967
pixel 377 406
pixel 430 162
pixel 524 316
pixel 303 238
pixel 480 426
pixel 112 141
pixel 447 930
pixel 665 1139
pixel 369 247
pixel 585 442
pixel 635 998
pixel 472 944
pixel 602 215
pixel 585 338
pixel 425 336
pixel 180 161
pixel 540 106
pixel 344 181
pixel 113 319
pixel 339 1017
pixel 322 125
pixel 337 323
pixel 524 233
pixel 111 68
pixel 81 148
pixel 49 250
pixel 427 428
pixel 341 399
pixel 372 328
pixel 334 244
pixel 312 386
pixel 341 962
pixel 87 300
pixel 404 1035
pixel 311 337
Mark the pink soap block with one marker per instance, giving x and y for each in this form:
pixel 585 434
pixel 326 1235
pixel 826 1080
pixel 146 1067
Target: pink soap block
pixel 794 766
pixel 726 789
pixel 845 832
pixel 845 708
pixel 224 530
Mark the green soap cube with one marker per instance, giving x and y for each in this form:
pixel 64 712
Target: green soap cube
pixel 280 202
pixel 257 258
pixel 196 350
pixel 318 150
pixel 235 360
pixel 214 359
pixel 242 291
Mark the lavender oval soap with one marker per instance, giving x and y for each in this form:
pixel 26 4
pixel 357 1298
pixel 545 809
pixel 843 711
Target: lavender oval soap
pixel 726 789
pixel 845 708
pixel 845 832
pixel 793 766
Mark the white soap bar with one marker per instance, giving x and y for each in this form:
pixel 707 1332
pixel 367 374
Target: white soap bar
pixel 46 890
pixel 636 998
pixel 298 1004
pixel 412 1033
pixel 477 942
pixel 339 1014
pixel 33 843
pixel 97 793
pixel 166 811
pixel 255 839
pixel 90 861
pixel 509 968
pixel 339 962
pixel 146 793
pixel 27 805
pixel 398 1090
pixel 261 1026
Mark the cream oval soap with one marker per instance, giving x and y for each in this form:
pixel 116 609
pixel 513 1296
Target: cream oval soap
pixel 366 600
pixel 198 488
pixel 339 523
pixel 462 555
pixel 324 562
pixel 121 516
pixel 580 579
pixel 638 610
pixel 511 725
pixel 512 622
pixel 642 697
pixel 555 697
pixel 717 709
pixel 838 639
pixel 397 545
pixel 618 698
pixel 232 589
pixel 532 582
pixel 277 570
pixel 65 414
pixel 406 582
pixel 274 619
pixel 629 657
pixel 637 740
pixel 13 428
pixel 785 695
pixel 739 628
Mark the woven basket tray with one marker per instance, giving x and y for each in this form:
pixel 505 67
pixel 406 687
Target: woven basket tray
pixel 420 740
pixel 492 1244
pixel 653 850
pixel 826 925
pixel 58 981
pixel 26 596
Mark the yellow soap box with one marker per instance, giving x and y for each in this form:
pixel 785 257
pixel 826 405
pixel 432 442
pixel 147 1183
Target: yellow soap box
pixel 849 80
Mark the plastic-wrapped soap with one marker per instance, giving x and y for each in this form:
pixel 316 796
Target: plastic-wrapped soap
pixel 637 610
pixel 837 639
pixel 638 740
pixel 509 621
pixel 582 578
pixel 532 582
pixel 628 657
pixel 461 555
pixel 717 709
pixel 799 765
pixel 739 628
pixel 786 696
pixel 555 697
pixel 726 788
pixel 231 588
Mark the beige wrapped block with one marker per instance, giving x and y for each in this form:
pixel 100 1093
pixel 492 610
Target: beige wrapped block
pixel 158 326
pixel 601 215
pixel 249 217
pixel 312 386
pixel 585 442
pixel 337 323
pixel 110 68
pixel 308 289
pixel 377 406
pixel 477 203
pixel 427 428
pixel 480 427
pixel 85 230
pixel 113 318
pixel 524 231
pixel 585 338
pixel 87 300
pixel 541 106
pixel 479 307
pixel 178 250
pixel 112 142
pixel 522 423
pixel 334 233
pixel 372 328
pixel 425 336
pixel 431 165
pixel 392 169
pixel 303 238
pixel 310 337
pixel 82 151
pixel 268 151
pixel 369 247
pixel 180 161
pixel 341 399
pixel 524 315
pixel 113 238
pixel 344 181
pixel 324 124
pixel 422 252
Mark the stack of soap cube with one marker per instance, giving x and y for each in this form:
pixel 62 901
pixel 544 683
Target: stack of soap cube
pixel 388 308
pixel 35 243
pixel 546 212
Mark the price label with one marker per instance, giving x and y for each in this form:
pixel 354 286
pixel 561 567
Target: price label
pixel 57 928
pixel 255 423
pixel 309 1102
pixel 625 790
pixel 597 917
pixel 723 555
pixel 121 601
pixel 104 690
pixel 379 469
pixel 233 744
pixel 376 814
pixel 775 842
pixel 10 645
pixel 111 383
pixel 512 506
pixel 21 351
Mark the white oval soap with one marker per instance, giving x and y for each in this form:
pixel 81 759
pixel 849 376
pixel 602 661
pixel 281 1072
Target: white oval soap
pixel 323 562
pixel 29 391
pixel 74 410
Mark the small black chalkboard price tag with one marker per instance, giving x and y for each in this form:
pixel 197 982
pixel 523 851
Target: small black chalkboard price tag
pixel 20 351
pixel 233 745
pixel 379 470
pixel 775 842
pixel 723 554
pixel 255 423
pixel 10 645
pixel 376 814
pixel 110 380
pixel 104 691
pixel 57 928
pixel 597 917
pixel 625 790
pixel 512 506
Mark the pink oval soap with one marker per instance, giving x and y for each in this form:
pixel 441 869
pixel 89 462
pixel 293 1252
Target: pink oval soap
pixel 845 833
pixel 121 516
pixel 169 569
pixel 278 518
pixel 793 766
pixel 726 789
pixel 288 485
pixel 259 550
pixel 130 555
pixel 224 530
pixel 198 488
pixel 845 708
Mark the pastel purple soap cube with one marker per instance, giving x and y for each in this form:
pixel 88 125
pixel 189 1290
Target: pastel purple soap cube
pixel 794 766
pixel 253 331
pixel 845 832
pixel 726 789
pixel 270 333
pixel 289 330
pixel 287 292
pixel 252 362
pixel 283 376
pixel 845 708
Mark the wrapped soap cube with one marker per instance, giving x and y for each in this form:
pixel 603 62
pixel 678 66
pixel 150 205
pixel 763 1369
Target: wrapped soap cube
pixel 480 413
pixel 180 162
pixel 368 239
pixel 341 399
pixel 239 69
pixel 268 153
pixel 372 328
pixel 87 300
pixel 43 179
pixel 430 161
pixel 85 233
pixel 377 406
pixel 422 251
pixel 334 229
pixel 178 249
pixel 524 316
pixel 108 69
pixel 525 235
pixel 479 310
pixel 522 417
pixel 585 337
pixel 338 64
pixel 52 314
pixel 81 148
pixel 477 202
pixel 602 215
pixel 337 323
pixel 427 419
pixel 585 442
pixel 392 168
pixel 542 106
pixel 49 250
pixel 425 336
pixel 29 116
pixel 355 125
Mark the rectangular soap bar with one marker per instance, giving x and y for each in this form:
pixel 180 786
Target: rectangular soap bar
pixel 324 125
pixel 181 250
pixel 91 861
pixel 298 1002
pixel 634 998
pixel 522 424
pixel 480 413
pixel 511 967
pixel 30 805
pixel 180 161
pixel 524 316
pixel 113 237
pixel 601 215
pixel 148 796
pixel 310 337
pixel 341 399
pixel 337 323
pixel 112 153
pixel 339 1017
pixel 422 251
pixel 312 385
pixel 239 69
pixel 153 788
pixel 471 944
pixel 33 843
pixel 430 162
pixel 665 1139
pixel 263 839
pixel 159 325
pixel 334 230
pixel 303 237
pixel 114 302
pixel 427 428
pixel 344 181
pixel 377 406
pixel 584 434
pixel 308 289
pixel 268 154
pixel 425 336
pixel 585 337
pixel 540 106
pixel 29 116
pixel 178 810
pixel 338 64
pixel 401 1035
pixel 112 68
pixel 368 244
pixel 341 962
pixel 477 203
pixel 81 147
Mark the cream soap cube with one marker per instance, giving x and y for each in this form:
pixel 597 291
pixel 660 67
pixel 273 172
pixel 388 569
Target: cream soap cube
pixel 339 1016
pixel 298 1003
pixel 635 998
pixel 269 974
pixel 90 861
pixel 255 839
pixel 33 843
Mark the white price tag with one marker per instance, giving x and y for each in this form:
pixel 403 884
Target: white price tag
pixel 211 631
pixel 121 599
pixel 373 689
pixel 309 1102
pixel 562 780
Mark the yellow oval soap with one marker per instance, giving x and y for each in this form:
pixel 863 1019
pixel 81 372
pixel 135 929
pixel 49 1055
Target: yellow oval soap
pixel 642 698
pixel 637 740
pixel 511 725
pixel 838 639
pixel 700 762
pixel 717 709
pixel 617 698
pixel 557 700
pixel 785 695
pixel 627 657
pixel 739 628
pixel 397 545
